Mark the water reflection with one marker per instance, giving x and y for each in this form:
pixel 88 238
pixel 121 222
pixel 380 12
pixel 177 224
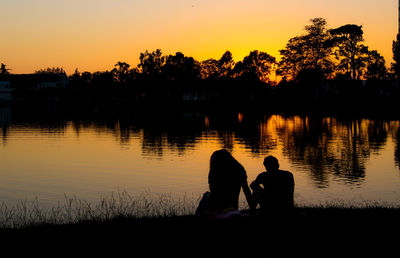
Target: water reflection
pixel 331 146
pixel 5 122
pixel 325 146
pixel 397 148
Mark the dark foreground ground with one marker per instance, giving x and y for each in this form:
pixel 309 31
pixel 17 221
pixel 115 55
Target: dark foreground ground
pixel 311 232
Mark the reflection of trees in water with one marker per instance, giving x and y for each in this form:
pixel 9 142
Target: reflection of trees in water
pixel 181 132
pixel 177 133
pixel 49 128
pixel 154 136
pixel 257 137
pixel 324 146
pixel 180 143
pixel 5 122
pixel 397 148
pixel 331 146
pixel 153 144
pixel 227 140
pixel 121 132
pixel 4 135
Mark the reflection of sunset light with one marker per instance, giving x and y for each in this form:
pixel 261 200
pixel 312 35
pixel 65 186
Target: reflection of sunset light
pixel 277 122
pixel 326 157
pixel 240 117
pixel 206 122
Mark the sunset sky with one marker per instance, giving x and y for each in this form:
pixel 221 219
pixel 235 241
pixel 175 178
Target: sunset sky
pixel 93 35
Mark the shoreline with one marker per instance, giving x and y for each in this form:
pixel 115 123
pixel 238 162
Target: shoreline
pixel 308 230
pixel 315 213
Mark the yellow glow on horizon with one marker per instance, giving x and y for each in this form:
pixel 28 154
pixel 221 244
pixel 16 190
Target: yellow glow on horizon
pixel 94 35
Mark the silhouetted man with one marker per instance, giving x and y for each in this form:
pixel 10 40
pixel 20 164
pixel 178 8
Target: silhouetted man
pixel 273 189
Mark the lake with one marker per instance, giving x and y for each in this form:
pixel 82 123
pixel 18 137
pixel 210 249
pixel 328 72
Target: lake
pixel 340 160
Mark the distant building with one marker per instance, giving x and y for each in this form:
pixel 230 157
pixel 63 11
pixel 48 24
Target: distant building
pixel 5 90
pixel 52 81
pixel 39 81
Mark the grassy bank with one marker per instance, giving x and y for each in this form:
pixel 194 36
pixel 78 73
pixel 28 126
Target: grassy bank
pixel 153 226
pixel 74 210
pixel 147 205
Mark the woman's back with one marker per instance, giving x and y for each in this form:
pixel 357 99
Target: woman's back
pixel 225 179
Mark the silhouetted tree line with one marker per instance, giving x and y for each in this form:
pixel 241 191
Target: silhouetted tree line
pixel 322 64
pixel 329 53
pixel 52 70
pixel 155 67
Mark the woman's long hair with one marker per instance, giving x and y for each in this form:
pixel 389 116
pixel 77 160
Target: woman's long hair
pixel 222 161
pixel 224 180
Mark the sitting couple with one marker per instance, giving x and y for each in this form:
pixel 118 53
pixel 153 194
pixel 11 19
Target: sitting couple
pixel 272 190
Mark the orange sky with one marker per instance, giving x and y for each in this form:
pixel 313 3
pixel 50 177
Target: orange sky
pixel 93 35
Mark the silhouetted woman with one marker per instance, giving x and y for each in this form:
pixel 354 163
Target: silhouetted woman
pixel 226 177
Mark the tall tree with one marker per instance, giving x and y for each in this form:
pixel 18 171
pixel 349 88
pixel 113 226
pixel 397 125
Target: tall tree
pixel 350 52
pixel 151 63
pixel 86 77
pixel 75 78
pixel 179 67
pixel 292 59
pixel 256 66
pixel 3 69
pixel 218 69
pixel 209 69
pixel 376 67
pixel 311 51
pixel 318 46
pixel 395 68
pixel 225 65
pixel 121 72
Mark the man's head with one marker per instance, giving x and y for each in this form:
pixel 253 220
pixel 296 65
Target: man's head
pixel 271 163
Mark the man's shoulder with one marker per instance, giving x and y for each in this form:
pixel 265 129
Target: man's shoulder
pixel 262 174
pixel 286 173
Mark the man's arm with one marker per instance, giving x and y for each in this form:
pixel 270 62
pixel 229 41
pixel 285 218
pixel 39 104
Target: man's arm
pixel 255 185
pixel 247 194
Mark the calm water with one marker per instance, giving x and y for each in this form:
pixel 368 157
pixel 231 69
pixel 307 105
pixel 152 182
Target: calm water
pixel 333 159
